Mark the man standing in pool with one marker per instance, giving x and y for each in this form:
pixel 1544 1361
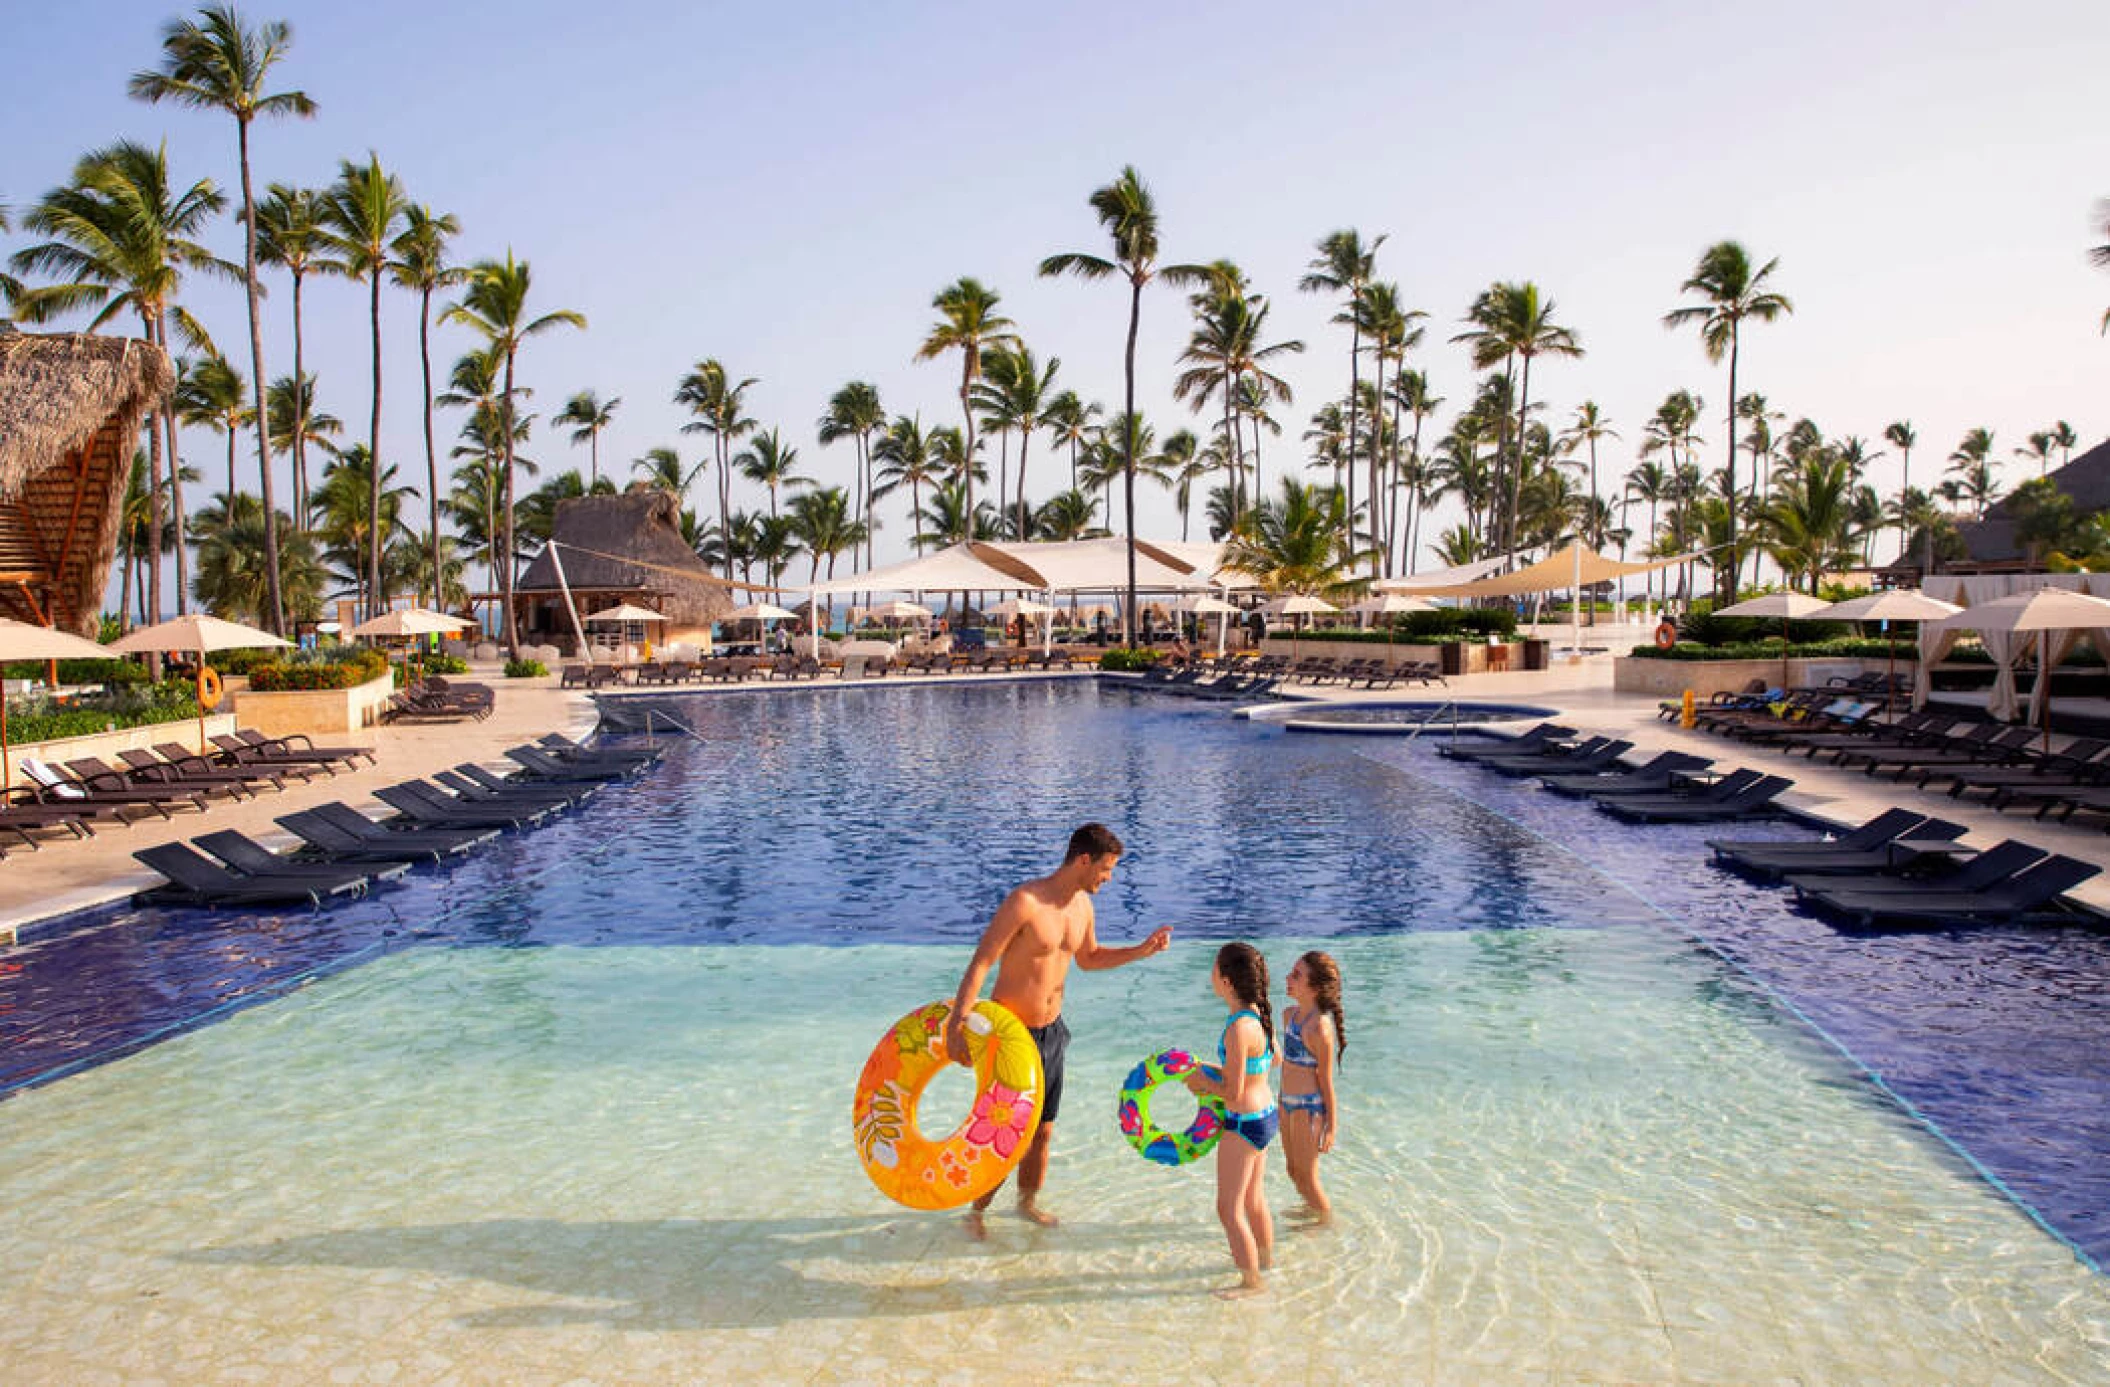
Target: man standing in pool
pixel 1037 932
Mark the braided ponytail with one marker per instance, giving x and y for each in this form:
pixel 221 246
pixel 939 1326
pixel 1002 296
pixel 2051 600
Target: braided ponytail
pixel 1246 971
pixel 1323 976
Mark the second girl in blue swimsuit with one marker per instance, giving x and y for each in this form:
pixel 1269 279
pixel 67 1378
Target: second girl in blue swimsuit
pixel 1247 1051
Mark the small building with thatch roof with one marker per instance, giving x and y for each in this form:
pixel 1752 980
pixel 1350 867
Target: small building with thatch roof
pixel 617 549
pixel 70 410
pixel 1991 544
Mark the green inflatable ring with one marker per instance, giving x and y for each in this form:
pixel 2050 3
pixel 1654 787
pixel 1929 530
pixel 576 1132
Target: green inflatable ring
pixel 1153 1142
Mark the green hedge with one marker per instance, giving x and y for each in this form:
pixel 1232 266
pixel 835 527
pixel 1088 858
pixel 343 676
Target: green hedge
pixel 331 669
pixel 1120 660
pixel 1844 648
pixel 111 671
pixel 525 669
pixel 43 719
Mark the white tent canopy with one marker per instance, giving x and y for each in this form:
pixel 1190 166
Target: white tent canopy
pixel 1573 566
pixel 952 569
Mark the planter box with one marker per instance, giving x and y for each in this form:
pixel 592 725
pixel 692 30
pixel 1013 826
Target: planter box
pixel 1669 678
pixel 315 711
pixel 106 745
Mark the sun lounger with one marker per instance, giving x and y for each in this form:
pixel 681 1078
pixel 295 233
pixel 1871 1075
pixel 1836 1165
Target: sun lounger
pixel 191 766
pixel 2027 892
pixel 248 744
pixel 1596 754
pixel 537 764
pixel 1751 801
pixel 193 879
pixel 1864 849
pixel 565 749
pixel 20 818
pixel 343 829
pixel 2082 763
pixel 547 796
pixel 251 858
pixel 430 807
pixel 1989 868
pixel 108 788
pixel 1652 776
pixel 576 791
pixel 1545 734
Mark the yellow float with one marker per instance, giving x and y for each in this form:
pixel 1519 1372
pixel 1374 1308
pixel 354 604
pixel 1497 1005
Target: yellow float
pixel 209 688
pixel 911 1168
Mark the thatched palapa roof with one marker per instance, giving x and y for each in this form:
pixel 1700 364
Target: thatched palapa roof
pixel 631 544
pixel 70 410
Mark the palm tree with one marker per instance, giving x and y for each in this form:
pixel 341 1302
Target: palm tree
pixel 905 458
pixel 854 412
pixel 1733 292
pixel 2064 438
pixel 121 241
pixel 421 264
pixel 363 210
pixel 969 324
pixel 295 423
pixel 1129 215
pixel 1511 322
pixel 1808 524
pixel 588 416
pixel 232 582
pixel 1587 430
pixel 1072 421
pixel 1972 466
pixel 1225 350
pixel 1652 482
pixel 220 64
pixel 2039 449
pixel 2100 255
pixel 348 523
pixel 1186 464
pixel 1017 392
pixel 495 306
pixel 1298 543
pixel 210 394
pixel 1345 266
pixel 1901 436
pixel 1067 515
pixel 661 467
pixel 290 234
pixel 822 523
pixel 768 463
pixel 1410 390
pixel 1393 330
pixel 715 399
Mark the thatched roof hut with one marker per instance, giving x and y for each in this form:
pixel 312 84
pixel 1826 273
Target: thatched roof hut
pixel 70 410
pixel 623 548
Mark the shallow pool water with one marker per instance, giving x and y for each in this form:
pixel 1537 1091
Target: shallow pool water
pixel 582 1108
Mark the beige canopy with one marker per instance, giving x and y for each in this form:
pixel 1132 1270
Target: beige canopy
pixel 1570 567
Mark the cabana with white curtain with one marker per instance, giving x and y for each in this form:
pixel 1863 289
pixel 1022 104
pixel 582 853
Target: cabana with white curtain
pixel 2010 649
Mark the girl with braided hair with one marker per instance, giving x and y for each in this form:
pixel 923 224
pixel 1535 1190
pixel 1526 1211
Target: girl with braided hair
pixel 1313 1036
pixel 1247 1053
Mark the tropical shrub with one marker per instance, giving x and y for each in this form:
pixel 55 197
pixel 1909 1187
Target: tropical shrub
pixel 339 667
pixel 1124 660
pixel 106 672
pixel 1845 647
pixel 133 704
pixel 446 664
pixel 525 669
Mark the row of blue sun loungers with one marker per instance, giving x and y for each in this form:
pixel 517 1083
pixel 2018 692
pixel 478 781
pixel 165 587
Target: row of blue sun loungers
pixel 1901 867
pixel 345 852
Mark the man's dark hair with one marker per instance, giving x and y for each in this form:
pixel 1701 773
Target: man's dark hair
pixel 1093 840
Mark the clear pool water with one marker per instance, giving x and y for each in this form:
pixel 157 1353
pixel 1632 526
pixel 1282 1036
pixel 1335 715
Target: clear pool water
pixel 580 1107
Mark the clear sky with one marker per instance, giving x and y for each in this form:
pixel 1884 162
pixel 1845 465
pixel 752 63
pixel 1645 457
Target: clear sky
pixel 784 187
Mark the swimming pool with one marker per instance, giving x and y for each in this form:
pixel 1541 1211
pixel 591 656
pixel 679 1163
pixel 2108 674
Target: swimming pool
pixel 581 1106
pixel 1399 717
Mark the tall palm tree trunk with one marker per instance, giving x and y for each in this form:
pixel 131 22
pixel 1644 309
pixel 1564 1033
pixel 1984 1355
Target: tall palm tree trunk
pixel 1516 475
pixel 160 336
pixel 506 560
pixel 373 514
pixel 432 461
pixel 1128 455
pixel 276 613
pixel 152 585
pixel 1729 482
pixel 967 365
pixel 1355 394
pixel 300 416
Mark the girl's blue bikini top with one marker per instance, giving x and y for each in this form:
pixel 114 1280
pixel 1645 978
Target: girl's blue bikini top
pixel 1254 1064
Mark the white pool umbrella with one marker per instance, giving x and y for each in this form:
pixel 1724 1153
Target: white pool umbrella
pixel 21 641
pixel 1390 604
pixel 1898 604
pixel 760 611
pixel 411 621
pixel 200 634
pixel 1788 606
pixel 899 610
pixel 1297 604
pixel 1208 604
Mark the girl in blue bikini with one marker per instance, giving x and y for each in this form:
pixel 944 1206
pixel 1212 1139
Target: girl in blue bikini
pixel 1313 1036
pixel 1247 1051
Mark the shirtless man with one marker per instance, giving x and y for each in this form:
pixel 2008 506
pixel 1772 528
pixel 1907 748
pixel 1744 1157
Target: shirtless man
pixel 1037 931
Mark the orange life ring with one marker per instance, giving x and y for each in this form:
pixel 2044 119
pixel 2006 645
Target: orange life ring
pixel 209 688
pixel 1666 634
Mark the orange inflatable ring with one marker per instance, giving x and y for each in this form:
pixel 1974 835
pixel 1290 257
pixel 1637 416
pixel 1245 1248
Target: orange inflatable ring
pixel 1666 634
pixel 911 1168
pixel 209 688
